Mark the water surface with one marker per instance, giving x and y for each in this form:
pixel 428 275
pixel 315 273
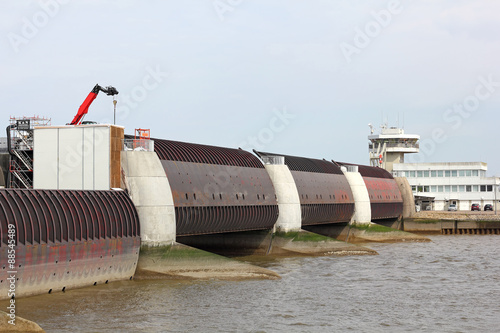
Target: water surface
pixel 449 285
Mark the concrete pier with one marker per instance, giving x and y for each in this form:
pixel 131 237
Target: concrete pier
pixel 363 233
pixel 147 183
pixel 362 207
pixel 407 195
pixel 179 261
pixel 289 218
pixel 311 244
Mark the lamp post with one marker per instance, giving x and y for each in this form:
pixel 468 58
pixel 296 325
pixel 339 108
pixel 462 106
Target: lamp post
pixel 114 111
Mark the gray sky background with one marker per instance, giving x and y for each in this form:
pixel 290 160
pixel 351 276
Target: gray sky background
pixel 296 77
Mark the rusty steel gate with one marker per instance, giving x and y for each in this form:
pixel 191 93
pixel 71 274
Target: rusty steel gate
pixel 216 189
pixel 58 239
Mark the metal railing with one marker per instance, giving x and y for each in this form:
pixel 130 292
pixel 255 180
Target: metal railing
pixel 397 145
pixel 25 181
pixel 25 158
pixel 138 145
pixel 352 168
pixel 279 160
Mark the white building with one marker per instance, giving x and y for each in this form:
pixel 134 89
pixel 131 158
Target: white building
pixel 390 146
pixel 435 185
pixel 462 184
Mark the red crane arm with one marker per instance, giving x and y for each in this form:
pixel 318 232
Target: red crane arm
pixel 84 108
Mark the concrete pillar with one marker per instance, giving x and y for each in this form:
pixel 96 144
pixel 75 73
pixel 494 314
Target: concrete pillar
pixel 290 218
pixel 362 207
pixel 150 191
pixel 407 195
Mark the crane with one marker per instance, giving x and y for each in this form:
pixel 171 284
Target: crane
pixel 84 108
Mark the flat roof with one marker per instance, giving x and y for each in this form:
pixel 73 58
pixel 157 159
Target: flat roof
pixel 393 136
pixel 73 126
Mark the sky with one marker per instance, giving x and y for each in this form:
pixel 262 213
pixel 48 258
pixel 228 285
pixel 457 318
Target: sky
pixel 296 77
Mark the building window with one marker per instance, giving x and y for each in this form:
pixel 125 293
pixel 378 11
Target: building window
pixel 454 188
pixel 433 173
pixel 461 173
pixel 483 188
pixel 433 189
pixel 475 188
pixel 468 188
pixel 489 188
pixel 412 174
pixel 440 173
pixel 475 173
pixel 461 188
pixel 426 188
pixel 453 173
pixel 420 188
pixel 420 173
pixel 447 188
pixel 426 173
pixel 447 173
pixel 413 188
pixel 440 188
pixel 468 173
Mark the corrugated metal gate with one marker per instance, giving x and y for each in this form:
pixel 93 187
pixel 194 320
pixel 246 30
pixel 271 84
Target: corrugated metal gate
pixel 217 189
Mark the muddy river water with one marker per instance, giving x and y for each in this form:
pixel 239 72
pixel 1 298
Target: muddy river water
pixel 451 284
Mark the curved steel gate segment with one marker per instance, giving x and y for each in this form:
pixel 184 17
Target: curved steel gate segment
pixel 217 190
pixel 49 216
pixel 385 198
pixel 324 192
pixel 65 239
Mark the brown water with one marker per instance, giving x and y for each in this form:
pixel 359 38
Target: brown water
pixel 449 285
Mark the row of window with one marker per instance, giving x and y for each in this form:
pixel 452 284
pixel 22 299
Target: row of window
pixel 452 188
pixel 441 173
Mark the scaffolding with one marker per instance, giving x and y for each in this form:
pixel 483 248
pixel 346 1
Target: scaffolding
pixel 21 149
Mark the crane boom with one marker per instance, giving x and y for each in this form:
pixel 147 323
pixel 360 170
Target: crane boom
pixel 84 108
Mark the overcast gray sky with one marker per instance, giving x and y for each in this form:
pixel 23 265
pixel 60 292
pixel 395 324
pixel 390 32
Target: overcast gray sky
pixel 297 77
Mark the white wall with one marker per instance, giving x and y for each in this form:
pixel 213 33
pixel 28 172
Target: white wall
pixel 72 157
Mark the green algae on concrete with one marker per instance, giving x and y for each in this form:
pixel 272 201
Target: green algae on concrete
pixel 308 243
pixel 359 233
pixel 21 324
pixel 180 261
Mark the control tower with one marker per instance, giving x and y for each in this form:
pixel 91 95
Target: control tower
pixel 390 146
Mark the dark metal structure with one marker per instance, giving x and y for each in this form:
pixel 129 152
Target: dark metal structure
pixel 53 239
pixel 385 198
pixel 324 192
pixel 217 190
